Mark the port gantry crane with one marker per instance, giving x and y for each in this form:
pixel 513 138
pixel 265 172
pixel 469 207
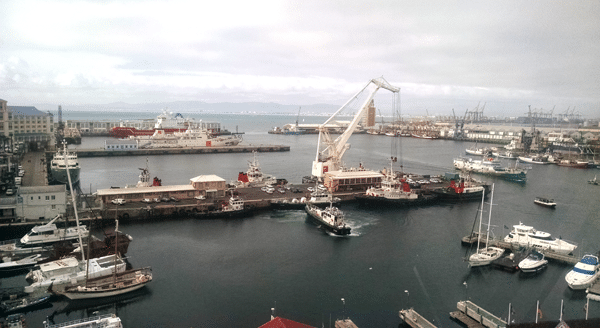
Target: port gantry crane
pixel 330 152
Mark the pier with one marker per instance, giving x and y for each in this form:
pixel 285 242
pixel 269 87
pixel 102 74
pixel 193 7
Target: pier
pixel 179 151
pixel 469 312
pixel 414 319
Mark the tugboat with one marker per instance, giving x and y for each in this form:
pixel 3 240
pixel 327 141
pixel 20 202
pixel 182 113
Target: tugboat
pixel 254 176
pixel 466 189
pixel 330 218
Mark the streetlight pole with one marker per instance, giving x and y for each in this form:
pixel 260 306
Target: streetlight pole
pixel 408 298
pixel 344 313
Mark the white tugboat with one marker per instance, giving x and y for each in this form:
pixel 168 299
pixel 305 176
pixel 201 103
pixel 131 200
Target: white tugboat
pixel 254 176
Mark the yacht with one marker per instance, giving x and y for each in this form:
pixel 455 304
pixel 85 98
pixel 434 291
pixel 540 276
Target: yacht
pixel 488 254
pixel 70 271
pixel 40 236
pixel 584 273
pixel 534 262
pixel 527 236
pixel 58 167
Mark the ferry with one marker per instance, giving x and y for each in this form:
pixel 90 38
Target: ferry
pixel 169 123
pixel 191 138
pixel 330 218
pixel 527 236
pixel 491 167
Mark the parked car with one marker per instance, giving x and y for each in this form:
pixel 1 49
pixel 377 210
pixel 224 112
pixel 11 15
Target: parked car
pixel 175 199
pixel 322 187
pixel 118 201
pixel 9 192
pixel 311 189
pixel 200 197
pixel 166 199
pixel 146 200
pixel 157 200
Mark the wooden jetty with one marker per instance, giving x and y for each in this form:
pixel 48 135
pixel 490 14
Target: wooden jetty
pixel 549 254
pixel 472 312
pixel 177 151
pixel 345 323
pixel 415 320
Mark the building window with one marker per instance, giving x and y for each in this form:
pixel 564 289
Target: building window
pixel 53 197
pixel 47 197
pixel 53 206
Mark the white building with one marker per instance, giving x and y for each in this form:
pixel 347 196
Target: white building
pixel 120 144
pixel 41 202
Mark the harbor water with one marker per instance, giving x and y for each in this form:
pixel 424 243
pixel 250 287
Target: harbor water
pixel 231 272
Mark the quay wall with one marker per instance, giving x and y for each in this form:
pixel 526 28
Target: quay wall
pixel 177 151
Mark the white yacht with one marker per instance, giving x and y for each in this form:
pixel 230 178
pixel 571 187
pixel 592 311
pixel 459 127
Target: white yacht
pixel 70 271
pixel 487 255
pixel 58 167
pixel 527 236
pixel 584 273
pixel 39 236
pixel 534 262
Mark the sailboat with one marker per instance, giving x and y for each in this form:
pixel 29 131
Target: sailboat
pixel 488 254
pixel 68 271
pixel 117 284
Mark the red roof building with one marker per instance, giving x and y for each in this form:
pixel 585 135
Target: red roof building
pixel 278 322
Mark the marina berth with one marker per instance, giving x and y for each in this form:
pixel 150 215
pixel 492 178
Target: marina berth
pixel 527 236
pixel 584 273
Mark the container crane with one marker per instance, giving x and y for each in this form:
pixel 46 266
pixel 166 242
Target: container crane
pixel 329 151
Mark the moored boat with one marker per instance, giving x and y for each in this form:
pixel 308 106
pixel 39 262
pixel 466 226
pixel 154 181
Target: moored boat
pixel 58 167
pixel 118 284
pixel 584 273
pixel 573 163
pixel 330 218
pixel 527 236
pixel 479 151
pixel 534 262
pixel 491 167
pixel 254 177
pixel 488 254
pixel 10 265
pixel 535 159
pixel 465 189
pixel 505 154
pixel 104 321
pixel 191 138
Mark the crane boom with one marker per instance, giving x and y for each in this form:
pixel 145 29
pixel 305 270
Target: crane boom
pixel 330 158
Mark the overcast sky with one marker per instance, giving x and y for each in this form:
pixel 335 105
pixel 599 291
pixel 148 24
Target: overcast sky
pixel 443 54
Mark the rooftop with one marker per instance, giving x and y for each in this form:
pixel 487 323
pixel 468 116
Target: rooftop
pixel 42 189
pixel 27 111
pixel 141 190
pixel 207 178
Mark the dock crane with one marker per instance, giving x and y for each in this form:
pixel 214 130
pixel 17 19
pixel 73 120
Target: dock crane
pixel 329 151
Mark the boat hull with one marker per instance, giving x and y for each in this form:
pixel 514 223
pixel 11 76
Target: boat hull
pixel 101 294
pixel 395 202
pixel 60 176
pixel 315 218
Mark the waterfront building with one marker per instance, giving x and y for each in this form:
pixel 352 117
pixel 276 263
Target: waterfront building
pixel 8 206
pixel 209 186
pixel 41 202
pixel 26 124
pixel 351 180
pixel 120 144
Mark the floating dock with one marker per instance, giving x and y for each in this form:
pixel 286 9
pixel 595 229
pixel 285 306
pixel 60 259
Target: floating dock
pixel 179 151
pixel 415 320
pixel 475 316
pixel 345 323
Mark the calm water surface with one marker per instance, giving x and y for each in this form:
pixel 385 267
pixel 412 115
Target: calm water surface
pixel 230 273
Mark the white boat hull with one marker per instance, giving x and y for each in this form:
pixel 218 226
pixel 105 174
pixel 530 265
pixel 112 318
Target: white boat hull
pixel 100 294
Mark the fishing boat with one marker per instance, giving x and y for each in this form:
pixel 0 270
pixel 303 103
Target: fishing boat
pixel 479 151
pixel 505 154
pixel 535 159
pixel 190 138
pixel 254 177
pixel 573 163
pixel 534 262
pixel 584 273
pixel 488 254
pixel 58 167
pixel 104 321
pixel 393 191
pixel 330 218
pixel 39 236
pixel 466 189
pixel 527 236
pixel 491 167
pixel 548 202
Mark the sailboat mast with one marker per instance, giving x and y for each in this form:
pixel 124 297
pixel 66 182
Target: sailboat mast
pixel 490 218
pixel 480 217
pixel 66 155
